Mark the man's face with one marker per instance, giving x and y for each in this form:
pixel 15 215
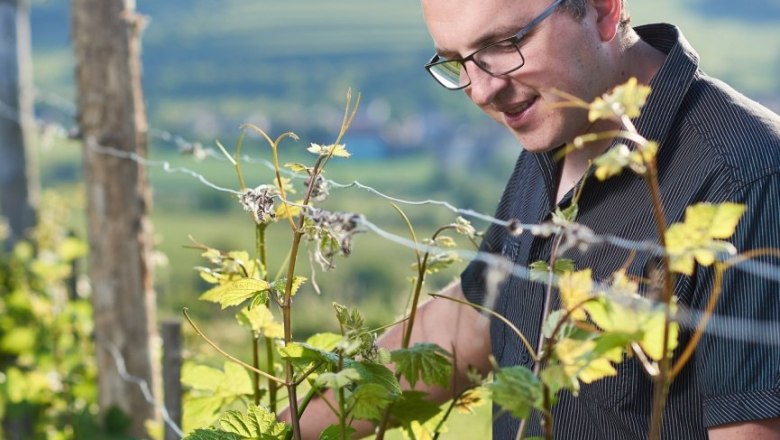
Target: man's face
pixel 560 53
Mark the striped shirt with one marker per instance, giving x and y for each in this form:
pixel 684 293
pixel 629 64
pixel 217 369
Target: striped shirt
pixel 715 145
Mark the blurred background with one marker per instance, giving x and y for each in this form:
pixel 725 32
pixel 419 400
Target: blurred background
pixel 210 66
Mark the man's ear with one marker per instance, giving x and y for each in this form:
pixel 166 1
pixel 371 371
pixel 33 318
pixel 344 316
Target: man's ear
pixel 608 14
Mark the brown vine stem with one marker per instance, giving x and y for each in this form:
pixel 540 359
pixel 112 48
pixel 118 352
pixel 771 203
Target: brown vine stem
pixel 409 326
pixel 297 236
pixel 226 354
pixel 663 379
pixel 548 422
pixel 720 268
pixel 509 324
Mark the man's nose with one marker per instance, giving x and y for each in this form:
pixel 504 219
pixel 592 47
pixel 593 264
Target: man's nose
pixel 484 86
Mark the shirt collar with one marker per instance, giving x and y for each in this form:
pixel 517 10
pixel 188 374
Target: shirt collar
pixel 670 84
pixel 668 89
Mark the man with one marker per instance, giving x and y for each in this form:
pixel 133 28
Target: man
pixel 509 57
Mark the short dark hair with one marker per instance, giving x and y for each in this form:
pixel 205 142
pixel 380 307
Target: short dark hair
pixel 577 9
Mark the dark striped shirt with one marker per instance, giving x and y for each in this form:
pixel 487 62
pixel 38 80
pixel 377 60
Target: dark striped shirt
pixel 716 145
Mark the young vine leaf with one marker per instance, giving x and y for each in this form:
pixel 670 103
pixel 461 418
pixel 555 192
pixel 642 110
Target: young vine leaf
pixel 700 237
pixel 517 390
pixel 256 424
pixel 625 99
pixel 260 319
pixel 369 401
pixel 233 293
pixel 423 361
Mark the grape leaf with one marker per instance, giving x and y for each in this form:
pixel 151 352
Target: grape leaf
pixel 369 400
pixel 257 424
pixel 236 292
pixel 333 432
pixel 625 99
pixel 699 238
pixel 337 380
pixel 579 360
pixel 576 287
pixel 425 361
pixel 260 319
pixel 413 406
pixel 517 390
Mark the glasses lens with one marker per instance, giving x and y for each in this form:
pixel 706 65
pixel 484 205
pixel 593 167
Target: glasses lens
pixel 450 74
pixel 499 58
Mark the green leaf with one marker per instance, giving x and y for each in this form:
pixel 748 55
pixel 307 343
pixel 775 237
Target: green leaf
pixel 425 361
pixel 517 390
pixel 566 215
pixel 540 271
pixel 551 322
pixel 445 241
pixel 296 167
pixel 369 401
pixel 236 292
pixel 71 248
pixel 580 360
pixel 470 400
pixel 700 236
pixel 281 284
pixel 413 406
pixel 200 411
pixel 324 341
pixel 19 340
pixel 625 99
pixel 234 381
pixel 212 434
pixel 302 355
pixel 260 319
pixel 338 150
pixel 441 261
pixel 375 373
pixel 333 432
pixel 337 380
pixel 200 377
pixel 555 377
pixel 350 319
pixel 258 423
pixel 576 287
pixel 612 162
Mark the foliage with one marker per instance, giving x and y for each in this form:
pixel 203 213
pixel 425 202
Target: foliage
pixel 600 324
pixel 47 384
pixel 225 403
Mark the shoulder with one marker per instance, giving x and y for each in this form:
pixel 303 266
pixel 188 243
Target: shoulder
pixel 740 132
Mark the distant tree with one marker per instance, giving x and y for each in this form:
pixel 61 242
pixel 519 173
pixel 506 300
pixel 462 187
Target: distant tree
pixel 112 120
pixel 18 175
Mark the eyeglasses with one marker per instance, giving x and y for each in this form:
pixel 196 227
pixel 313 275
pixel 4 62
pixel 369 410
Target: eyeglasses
pixel 498 58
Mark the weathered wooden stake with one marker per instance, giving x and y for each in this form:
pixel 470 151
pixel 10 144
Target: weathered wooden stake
pixel 172 359
pixel 112 121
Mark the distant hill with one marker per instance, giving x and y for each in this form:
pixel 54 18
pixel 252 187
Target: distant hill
pixel 761 11
pixel 211 65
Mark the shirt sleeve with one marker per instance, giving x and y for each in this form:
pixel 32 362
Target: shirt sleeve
pixel 738 358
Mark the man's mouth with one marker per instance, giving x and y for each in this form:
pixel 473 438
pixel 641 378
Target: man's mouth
pixel 516 115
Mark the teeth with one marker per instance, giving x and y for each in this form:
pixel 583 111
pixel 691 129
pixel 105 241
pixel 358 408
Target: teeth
pixel 521 108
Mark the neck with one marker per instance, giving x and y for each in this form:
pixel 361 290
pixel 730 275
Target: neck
pixel 639 60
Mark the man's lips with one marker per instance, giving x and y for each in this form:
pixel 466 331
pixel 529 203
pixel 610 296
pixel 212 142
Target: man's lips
pixel 517 114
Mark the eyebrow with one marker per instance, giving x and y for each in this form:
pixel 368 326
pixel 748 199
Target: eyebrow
pixel 490 37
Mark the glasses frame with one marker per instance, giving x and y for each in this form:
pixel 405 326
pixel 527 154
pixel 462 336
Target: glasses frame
pixel 514 39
